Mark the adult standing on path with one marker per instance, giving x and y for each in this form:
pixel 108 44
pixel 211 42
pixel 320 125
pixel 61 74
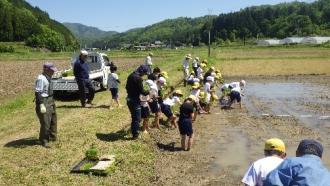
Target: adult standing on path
pixel 149 63
pixel 185 65
pixel 45 105
pixel 134 88
pixel 81 73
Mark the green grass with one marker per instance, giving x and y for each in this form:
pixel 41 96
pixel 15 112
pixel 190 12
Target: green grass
pixel 77 130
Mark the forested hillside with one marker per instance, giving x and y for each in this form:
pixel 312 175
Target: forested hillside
pixel 87 34
pixel 279 21
pixel 177 31
pixel 19 21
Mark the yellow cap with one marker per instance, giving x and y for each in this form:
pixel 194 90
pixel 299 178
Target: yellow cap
pixel 215 97
pixel 204 61
pixel 179 92
pixel 196 85
pixel 275 144
pixel 212 68
pixel 202 95
pixel 203 65
pixel 192 97
pixel 164 74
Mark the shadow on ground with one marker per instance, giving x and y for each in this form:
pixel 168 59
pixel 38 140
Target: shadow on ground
pixel 168 147
pixel 21 143
pixel 115 136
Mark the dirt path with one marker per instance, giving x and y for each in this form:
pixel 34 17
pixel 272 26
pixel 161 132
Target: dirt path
pixel 227 141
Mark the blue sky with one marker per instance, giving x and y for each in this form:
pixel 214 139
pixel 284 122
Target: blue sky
pixel 121 15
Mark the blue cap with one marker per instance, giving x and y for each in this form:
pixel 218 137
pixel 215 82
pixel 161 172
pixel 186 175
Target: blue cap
pixel 309 146
pixel 142 69
pixel 50 66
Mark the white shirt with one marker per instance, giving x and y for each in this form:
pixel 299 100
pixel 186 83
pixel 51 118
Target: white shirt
pixel 148 60
pixel 234 84
pixel 153 92
pixel 236 89
pixel 42 85
pixel 258 171
pixel 200 72
pixel 207 87
pixel 113 80
pixel 195 63
pixel 185 63
pixel 196 93
pixel 171 101
pixel 144 100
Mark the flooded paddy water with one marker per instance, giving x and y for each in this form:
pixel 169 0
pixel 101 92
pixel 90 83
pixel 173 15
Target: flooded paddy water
pixel 228 140
pixel 307 102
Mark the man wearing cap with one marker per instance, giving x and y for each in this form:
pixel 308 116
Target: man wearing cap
pixel 45 105
pixel 185 65
pixel 274 153
pixel 305 169
pixel 81 73
pixel 148 62
pixel 134 88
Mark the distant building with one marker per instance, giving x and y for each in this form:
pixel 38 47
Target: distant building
pixel 268 42
pixel 315 40
pixel 291 40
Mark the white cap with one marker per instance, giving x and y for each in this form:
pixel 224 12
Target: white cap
pixel 197 58
pixel 243 83
pixel 210 78
pixel 83 52
pixel 213 74
pixel 162 80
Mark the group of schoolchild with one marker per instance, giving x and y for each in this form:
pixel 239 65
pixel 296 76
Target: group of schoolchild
pixel 152 98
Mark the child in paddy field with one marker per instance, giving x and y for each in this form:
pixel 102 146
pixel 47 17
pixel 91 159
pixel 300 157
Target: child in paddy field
pixel 153 101
pixel 113 84
pixel 195 91
pixel 145 112
pixel 207 89
pixel 185 122
pixel 168 103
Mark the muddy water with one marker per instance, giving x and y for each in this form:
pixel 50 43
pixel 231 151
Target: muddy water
pixel 307 102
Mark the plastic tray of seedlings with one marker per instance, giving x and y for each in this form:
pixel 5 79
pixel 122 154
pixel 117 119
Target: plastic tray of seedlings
pixel 92 164
pixel 101 167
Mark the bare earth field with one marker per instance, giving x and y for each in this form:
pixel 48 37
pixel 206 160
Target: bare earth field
pixel 19 76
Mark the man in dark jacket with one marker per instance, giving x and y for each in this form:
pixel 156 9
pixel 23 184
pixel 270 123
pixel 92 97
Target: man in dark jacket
pixel 81 73
pixel 134 88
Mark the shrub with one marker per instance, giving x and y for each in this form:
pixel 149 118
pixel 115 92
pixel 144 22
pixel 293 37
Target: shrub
pixel 6 49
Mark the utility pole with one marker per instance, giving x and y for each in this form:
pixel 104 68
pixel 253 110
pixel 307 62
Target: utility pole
pixel 210 12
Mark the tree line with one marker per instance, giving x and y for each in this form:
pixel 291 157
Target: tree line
pixel 19 21
pixel 278 21
pixel 268 21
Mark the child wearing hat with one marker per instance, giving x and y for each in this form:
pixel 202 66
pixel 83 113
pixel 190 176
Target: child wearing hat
pixel 274 152
pixel 208 91
pixel 185 122
pixel 153 101
pixel 170 102
pixel 113 84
